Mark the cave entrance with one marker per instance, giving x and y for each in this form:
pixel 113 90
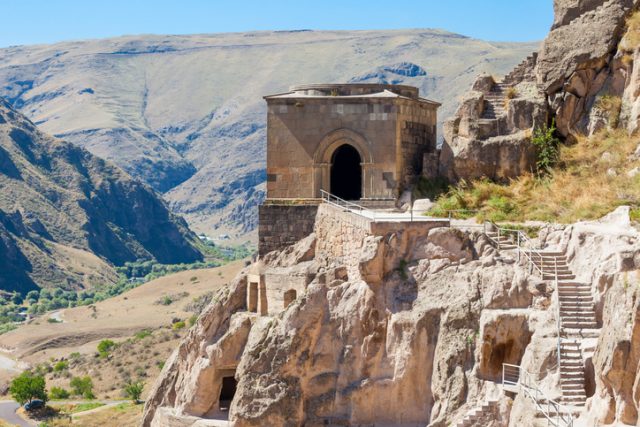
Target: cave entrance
pixel 346 173
pixel 227 392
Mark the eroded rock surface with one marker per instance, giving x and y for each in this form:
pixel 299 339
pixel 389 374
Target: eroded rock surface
pixel 585 76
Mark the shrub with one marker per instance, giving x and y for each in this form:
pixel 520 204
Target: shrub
pixel 133 390
pixel 58 393
pixel 512 92
pixel 143 334
pixel 193 319
pixel 28 386
pixel 105 347
pixel 82 386
pixel 61 366
pixel 546 144
pixel 178 325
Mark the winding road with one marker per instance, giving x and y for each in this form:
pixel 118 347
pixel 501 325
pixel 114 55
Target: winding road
pixel 8 410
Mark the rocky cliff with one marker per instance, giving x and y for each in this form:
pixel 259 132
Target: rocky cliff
pixel 585 77
pixel 185 114
pixel 67 216
pixel 404 327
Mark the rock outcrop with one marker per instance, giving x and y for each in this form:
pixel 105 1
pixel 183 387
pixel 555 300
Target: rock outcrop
pixel 427 316
pixel 583 77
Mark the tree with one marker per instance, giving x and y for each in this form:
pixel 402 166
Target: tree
pixel 133 390
pixel 82 386
pixel 28 386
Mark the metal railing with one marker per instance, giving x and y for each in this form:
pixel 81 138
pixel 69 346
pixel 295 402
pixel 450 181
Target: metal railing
pixel 524 245
pixel 557 415
pixel 372 214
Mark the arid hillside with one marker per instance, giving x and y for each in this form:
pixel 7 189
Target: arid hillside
pixel 145 333
pixel 185 113
pixel 67 216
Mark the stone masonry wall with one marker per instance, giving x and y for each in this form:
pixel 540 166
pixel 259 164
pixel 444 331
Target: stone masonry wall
pixel 283 225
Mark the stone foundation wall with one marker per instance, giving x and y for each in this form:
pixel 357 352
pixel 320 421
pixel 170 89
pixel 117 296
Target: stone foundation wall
pixel 281 225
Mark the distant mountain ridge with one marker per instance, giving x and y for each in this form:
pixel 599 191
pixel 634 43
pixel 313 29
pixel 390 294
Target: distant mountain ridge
pixel 66 216
pixel 185 113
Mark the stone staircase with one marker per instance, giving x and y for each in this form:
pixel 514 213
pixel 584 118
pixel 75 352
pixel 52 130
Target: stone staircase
pixel 522 71
pixel 577 320
pixel 494 101
pixel 480 416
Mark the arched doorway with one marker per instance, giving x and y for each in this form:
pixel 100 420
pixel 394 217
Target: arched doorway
pixel 346 173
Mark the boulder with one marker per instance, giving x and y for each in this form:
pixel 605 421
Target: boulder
pixel 498 158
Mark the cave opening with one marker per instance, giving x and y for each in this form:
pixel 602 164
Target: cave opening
pixel 346 173
pixel 227 392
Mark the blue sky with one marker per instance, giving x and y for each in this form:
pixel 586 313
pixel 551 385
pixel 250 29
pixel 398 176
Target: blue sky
pixel 48 21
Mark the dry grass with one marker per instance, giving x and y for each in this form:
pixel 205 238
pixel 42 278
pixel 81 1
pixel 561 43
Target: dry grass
pixel 586 185
pixel 631 39
pixel 139 355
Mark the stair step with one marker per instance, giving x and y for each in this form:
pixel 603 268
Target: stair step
pixel 572 381
pixel 571 388
pixel 580 326
pixel 576 309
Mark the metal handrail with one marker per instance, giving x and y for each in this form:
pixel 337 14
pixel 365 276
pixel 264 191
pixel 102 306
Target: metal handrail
pixel 342 203
pixel 556 413
pixel 524 246
pixel 371 214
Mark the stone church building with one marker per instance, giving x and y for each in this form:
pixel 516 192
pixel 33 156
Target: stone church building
pixel 362 142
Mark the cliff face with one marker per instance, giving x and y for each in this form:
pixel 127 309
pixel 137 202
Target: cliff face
pixel 425 316
pixel 58 202
pixel 585 76
pixel 406 328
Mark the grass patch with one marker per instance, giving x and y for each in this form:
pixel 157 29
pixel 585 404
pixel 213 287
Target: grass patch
pixel 73 408
pixel 631 38
pixel 578 187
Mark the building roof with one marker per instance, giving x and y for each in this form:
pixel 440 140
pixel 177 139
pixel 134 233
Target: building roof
pixel 353 91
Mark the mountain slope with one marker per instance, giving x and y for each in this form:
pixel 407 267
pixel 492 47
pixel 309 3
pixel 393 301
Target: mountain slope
pixel 186 115
pixel 66 215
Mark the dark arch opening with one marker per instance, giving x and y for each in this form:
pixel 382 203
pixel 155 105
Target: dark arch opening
pixel 227 392
pixel 346 173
